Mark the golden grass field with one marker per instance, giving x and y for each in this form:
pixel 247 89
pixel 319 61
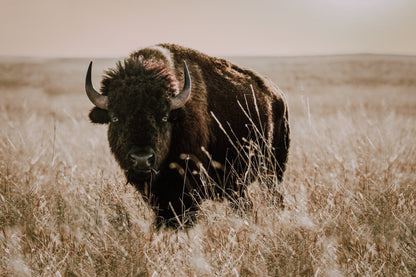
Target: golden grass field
pixel 349 189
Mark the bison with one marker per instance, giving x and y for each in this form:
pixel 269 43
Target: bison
pixel 177 116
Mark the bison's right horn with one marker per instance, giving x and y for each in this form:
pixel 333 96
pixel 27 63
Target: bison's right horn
pixel 99 100
pixel 180 100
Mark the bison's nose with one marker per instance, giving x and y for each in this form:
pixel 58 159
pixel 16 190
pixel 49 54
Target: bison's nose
pixel 142 161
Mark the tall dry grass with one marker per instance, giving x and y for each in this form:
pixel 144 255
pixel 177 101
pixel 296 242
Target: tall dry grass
pixel 349 189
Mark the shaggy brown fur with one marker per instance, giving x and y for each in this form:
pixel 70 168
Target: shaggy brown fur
pixel 139 91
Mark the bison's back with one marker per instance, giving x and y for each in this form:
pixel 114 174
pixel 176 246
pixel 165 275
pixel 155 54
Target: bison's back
pixel 230 93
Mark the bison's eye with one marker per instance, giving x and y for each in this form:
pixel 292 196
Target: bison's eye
pixel 114 119
pixel 165 119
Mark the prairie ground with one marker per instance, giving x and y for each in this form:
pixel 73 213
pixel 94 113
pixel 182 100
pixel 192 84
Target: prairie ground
pixel 349 189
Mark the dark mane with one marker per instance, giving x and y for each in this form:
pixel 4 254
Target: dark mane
pixel 138 69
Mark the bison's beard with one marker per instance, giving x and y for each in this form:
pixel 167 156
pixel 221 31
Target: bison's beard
pixel 142 181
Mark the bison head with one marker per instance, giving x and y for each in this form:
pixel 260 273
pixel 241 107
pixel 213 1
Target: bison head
pixel 138 102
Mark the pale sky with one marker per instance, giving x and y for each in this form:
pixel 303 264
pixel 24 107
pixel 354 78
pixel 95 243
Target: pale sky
pixel 115 28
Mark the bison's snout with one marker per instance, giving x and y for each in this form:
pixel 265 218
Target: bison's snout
pixel 141 160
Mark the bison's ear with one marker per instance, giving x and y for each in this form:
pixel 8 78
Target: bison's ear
pixel 98 115
pixel 177 115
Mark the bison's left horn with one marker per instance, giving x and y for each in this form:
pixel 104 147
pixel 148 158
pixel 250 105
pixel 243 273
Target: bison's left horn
pixel 180 100
pixel 99 100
